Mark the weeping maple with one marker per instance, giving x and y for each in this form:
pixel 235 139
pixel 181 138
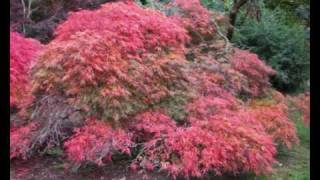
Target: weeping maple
pixel 114 61
pixel 135 29
pixel 124 62
pixel 219 143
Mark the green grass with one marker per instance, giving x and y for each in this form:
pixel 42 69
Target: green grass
pixel 295 163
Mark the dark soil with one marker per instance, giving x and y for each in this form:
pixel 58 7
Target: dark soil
pixel 52 168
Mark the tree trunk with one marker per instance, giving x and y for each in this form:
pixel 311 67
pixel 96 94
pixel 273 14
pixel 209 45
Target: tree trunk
pixel 144 2
pixel 232 17
pixel 237 4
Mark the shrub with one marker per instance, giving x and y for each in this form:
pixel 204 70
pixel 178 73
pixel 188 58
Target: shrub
pixel 256 70
pixel 135 29
pixel 210 144
pixel 281 45
pixel 274 118
pixel 96 142
pixel 22 53
pixel 114 67
pixel 211 77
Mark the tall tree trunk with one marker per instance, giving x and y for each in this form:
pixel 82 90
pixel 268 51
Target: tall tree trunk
pixel 144 2
pixel 237 4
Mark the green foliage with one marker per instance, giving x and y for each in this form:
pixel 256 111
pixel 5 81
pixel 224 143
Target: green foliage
pixel 281 45
pixel 296 10
pixel 214 4
pixel 57 151
pixel 175 107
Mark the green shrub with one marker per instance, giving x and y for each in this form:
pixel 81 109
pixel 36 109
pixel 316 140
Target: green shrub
pixel 282 45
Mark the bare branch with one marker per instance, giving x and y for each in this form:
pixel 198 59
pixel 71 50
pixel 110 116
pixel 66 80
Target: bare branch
pixel 228 45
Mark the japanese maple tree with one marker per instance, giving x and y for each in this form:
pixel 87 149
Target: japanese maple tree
pixel 114 61
pixel 126 67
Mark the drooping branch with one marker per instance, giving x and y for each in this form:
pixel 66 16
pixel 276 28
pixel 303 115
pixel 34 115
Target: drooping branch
pixel 228 45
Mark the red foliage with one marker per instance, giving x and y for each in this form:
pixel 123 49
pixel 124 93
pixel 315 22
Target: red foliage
pixel 274 118
pixel 150 125
pixel 22 53
pixel 20 140
pixel 96 142
pixel 254 68
pixel 204 107
pixel 206 82
pixel 222 137
pixel 96 68
pixel 222 144
pixel 135 29
pixel 194 17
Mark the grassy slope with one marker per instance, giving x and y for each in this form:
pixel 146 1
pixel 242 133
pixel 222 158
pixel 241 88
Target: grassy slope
pixel 295 162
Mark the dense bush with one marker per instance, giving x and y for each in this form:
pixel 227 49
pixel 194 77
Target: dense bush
pixel 127 72
pixel 211 140
pixel 23 51
pixel 269 115
pixel 274 118
pixel 135 27
pixel 281 45
pixel 191 15
pixel 255 69
pixel 212 143
pixel 295 11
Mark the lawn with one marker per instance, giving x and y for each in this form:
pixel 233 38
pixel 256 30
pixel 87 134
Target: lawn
pixel 294 164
